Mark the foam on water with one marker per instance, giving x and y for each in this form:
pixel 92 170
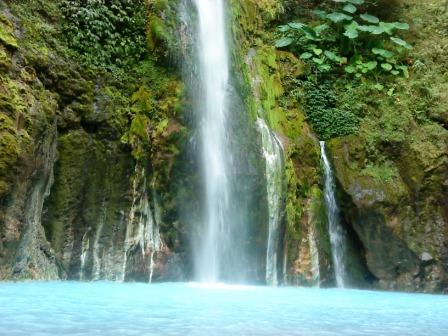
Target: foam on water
pixel 101 308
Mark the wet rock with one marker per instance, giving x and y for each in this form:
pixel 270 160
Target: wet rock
pixel 425 257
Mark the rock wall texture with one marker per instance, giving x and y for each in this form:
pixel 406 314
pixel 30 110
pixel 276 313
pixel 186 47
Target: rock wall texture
pixel 83 175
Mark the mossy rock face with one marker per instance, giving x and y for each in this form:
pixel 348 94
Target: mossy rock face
pixel 88 208
pixel 6 33
pixel 397 206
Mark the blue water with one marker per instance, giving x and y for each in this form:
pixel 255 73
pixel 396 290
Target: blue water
pixel 72 308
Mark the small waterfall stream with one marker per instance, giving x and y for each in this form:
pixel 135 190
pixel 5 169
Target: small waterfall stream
pixel 273 154
pixel 337 235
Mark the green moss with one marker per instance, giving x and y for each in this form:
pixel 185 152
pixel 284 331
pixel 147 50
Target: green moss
pixel 383 173
pixel 10 150
pixel 6 33
pixel 5 60
pixel 72 148
pixel 293 212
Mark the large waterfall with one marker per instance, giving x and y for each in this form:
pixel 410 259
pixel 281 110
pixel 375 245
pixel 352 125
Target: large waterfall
pixel 337 235
pixel 214 257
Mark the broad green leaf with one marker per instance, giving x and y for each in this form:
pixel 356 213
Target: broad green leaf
pixel 386 66
pixel 310 34
pixel 349 8
pixel 369 18
pixel 324 67
pixel 351 34
pixel 296 25
pixel 401 25
pixel 350 69
pixel 337 17
pixel 320 28
pixel 395 72
pixel 379 86
pixel 355 2
pixel 382 52
pixel 387 27
pixel 401 42
pixel 283 42
pixel 318 60
pixel 306 55
pixel 331 55
pixel 283 28
pixel 320 14
pixel 351 30
pixel 371 65
pixel 317 51
pixel 376 30
pixel 334 57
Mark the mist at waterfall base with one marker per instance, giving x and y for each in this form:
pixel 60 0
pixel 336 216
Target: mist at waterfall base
pixel 102 308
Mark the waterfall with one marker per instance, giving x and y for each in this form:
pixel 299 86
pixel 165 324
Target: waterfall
pixel 85 244
pixel 337 235
pixel 314 254
pixel 273 154
pixel 214 257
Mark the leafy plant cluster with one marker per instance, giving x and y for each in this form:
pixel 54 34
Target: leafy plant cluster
pixel 321 106
pixel 359 43
pixel 105 33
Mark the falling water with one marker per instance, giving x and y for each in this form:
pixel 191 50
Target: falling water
pixel 85 244
pixel 214 70
pixel 314 254
pixel 337 236
pixel 273 154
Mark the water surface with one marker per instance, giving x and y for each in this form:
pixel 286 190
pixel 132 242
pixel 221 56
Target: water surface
pixel 103 308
